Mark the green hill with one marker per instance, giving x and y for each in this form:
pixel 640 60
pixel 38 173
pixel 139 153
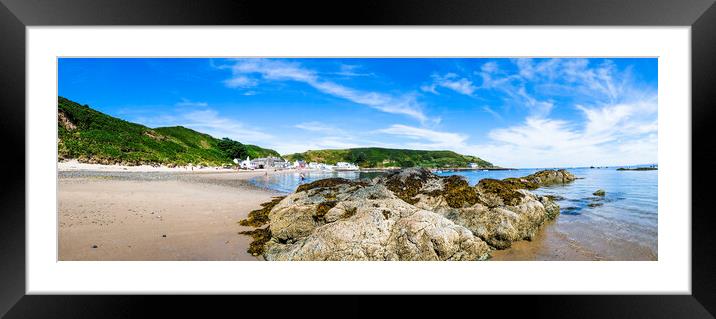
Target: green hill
pixel 94 137
pixel 375 157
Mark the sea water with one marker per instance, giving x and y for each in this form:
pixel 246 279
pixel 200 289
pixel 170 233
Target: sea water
pixel 619 226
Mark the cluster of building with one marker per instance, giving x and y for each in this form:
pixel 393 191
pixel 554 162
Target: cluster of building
pixel 280 163
pixel 264 162
pixel 340 166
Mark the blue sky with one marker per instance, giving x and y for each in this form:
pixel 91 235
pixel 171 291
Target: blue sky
pixel 513 112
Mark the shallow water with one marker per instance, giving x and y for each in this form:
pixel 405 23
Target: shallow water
pixel 288 182
pixel 619 226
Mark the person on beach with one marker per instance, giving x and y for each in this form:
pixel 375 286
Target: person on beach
pixel 303 177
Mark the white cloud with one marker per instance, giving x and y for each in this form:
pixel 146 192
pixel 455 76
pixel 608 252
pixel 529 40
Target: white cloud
pixel 620 134
pixel 450 81
pixel 425 138
pixel 490 67
pixel 431 88
pixel 319 127
pixel 188 103
pixel 209 121
pixel 351 70
pixel 285 71
pixel 240 82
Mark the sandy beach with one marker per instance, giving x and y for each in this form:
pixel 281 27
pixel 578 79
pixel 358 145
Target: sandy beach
pixel 109 213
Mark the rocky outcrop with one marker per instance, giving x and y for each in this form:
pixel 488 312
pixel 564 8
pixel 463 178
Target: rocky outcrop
pixel 549 177
pixel 411 214
pixel 63 120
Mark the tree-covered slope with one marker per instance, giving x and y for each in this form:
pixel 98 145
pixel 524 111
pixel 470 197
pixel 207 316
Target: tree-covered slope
pixel 94 137
pixel 386 157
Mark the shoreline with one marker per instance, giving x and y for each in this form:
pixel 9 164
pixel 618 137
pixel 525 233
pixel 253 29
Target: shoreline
pixel 75 165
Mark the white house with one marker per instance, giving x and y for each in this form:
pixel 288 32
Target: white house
pixel 473 165
pixel 246 164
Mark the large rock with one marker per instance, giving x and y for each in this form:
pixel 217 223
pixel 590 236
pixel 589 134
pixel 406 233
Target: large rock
pixel 411 214
pixel 364 223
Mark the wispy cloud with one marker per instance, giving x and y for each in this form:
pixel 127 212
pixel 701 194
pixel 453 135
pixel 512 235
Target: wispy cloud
pixel 208 121
pixel 320 127
pixel 274 70
pixel 450 81
pixel 240 82
pixel 352 70
pixel 187 103
pixel 492 112
pixel 425 138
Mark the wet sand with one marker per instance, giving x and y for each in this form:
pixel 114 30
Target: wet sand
pixel 549 244
pixel 127 215
pixel 563 240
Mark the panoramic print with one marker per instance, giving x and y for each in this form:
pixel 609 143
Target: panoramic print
pixel 343 159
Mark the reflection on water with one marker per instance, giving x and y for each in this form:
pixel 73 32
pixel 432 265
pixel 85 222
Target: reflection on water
pixel 619 226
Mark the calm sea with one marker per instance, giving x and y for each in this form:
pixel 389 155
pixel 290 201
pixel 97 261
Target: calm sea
pixel 619 226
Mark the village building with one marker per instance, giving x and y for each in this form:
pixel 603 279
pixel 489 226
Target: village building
pixel 268 162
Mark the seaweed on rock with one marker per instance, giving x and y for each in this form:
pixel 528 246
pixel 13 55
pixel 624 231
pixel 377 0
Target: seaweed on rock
pixel 260 217
pixel 322 209
pixel 457 192
pixel 507 191
pixel 260 237
pixel 407 183
pixel 329 183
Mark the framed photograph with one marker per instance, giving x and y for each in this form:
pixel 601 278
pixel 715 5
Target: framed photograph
pixel 444 148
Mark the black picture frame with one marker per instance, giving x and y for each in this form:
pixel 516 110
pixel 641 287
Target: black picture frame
pixel 15 15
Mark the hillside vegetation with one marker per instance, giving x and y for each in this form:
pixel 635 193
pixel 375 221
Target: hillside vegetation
pixel 94 137
pixel 375 157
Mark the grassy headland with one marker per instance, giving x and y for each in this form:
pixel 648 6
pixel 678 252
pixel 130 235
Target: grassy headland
pixel 91 136
pixel 375 157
